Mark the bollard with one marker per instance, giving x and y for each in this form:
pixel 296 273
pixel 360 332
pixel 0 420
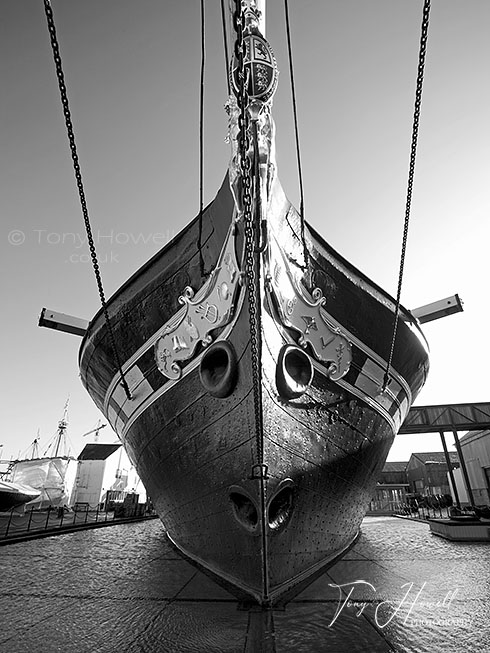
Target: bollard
pixel 86 515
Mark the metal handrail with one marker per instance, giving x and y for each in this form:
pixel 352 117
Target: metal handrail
pixel 57 519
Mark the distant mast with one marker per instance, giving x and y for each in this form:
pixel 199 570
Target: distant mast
pixel 62 426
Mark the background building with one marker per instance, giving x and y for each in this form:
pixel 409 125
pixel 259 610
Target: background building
pixel 475 447
pixel 105 475
pixel 394 472
pixel 427 472
pixel 391 490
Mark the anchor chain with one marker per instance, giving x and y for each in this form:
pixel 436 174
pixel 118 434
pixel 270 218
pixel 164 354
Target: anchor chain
pixel 411 173
pixel 251 253
pixel 78 176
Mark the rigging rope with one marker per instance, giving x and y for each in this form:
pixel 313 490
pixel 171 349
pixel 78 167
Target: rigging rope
pixel 225 46
pixel 201 137
pixel 81 192
pixel 296 132
pixel 411 171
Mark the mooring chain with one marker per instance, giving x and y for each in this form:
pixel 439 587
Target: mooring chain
pixel 246 197
pixel 411 172
pixel 78 176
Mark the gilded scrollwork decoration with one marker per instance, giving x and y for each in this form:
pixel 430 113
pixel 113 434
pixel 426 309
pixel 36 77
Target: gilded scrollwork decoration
pixel 306 316
pixel 203 312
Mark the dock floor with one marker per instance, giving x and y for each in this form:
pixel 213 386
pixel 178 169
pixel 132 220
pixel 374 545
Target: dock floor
pixel 125 589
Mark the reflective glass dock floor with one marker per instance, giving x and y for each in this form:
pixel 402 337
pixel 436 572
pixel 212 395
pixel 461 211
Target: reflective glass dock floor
pixel 124 589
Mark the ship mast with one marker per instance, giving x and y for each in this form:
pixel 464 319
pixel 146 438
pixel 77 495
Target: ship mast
pixel 35 446
pixel 61 434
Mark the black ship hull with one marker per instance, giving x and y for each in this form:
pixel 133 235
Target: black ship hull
pixel 262 486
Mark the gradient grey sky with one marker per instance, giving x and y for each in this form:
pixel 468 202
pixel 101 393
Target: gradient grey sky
pixel 132 72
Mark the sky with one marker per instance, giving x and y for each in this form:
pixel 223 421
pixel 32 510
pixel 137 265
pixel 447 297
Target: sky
pixel 132 73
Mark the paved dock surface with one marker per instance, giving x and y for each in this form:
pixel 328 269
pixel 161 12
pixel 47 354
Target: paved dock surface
pixel 125 590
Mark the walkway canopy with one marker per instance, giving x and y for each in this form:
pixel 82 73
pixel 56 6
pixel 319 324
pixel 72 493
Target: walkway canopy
pixel 447 417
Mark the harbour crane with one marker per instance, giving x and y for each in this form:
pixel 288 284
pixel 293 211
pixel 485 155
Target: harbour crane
pixel 96 431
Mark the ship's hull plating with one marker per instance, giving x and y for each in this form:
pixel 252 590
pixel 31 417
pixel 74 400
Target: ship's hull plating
pixel 261 500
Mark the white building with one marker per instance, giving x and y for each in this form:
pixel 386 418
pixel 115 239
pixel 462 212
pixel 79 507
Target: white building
pixel 105 474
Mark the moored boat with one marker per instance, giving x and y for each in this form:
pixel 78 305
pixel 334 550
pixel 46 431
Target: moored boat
pixel 13 495
pixel 51 476
pixel 258 403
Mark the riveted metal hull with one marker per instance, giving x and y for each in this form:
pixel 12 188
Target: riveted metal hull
pixel 263 509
